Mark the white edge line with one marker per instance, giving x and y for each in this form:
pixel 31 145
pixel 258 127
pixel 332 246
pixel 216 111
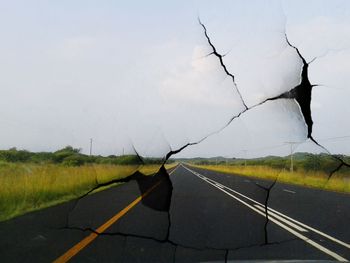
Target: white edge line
pixel 293 220
pixel 313 229
pixel 269 213
pixel 302 237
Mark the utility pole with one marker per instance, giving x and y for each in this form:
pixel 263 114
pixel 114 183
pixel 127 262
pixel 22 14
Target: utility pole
pixel 291 158
pixel 291 155
pixel 90 146
pixel 245 158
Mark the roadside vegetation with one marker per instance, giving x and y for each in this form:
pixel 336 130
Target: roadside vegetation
pixel 31 181
pixel 311 170
pixel 70 156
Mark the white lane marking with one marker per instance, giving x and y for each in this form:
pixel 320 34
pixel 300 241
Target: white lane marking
pixel 302 237
pixel 269 213
pixel 312 229
pixel 246 180
pixel 291 219
pixel 289 191
pixel 219 185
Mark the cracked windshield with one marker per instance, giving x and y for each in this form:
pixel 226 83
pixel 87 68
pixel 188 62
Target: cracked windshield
pixel 174 131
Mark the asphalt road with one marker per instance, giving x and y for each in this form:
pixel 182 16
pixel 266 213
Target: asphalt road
pixel 211 217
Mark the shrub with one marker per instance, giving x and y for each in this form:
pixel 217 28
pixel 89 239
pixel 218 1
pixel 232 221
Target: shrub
pixel 73 160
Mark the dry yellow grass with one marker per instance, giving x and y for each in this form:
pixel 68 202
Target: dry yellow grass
pixel 339 182
pixel 29 187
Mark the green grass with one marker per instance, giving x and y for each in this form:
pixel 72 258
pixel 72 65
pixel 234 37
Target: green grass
pixel 339 182
pixel 30 187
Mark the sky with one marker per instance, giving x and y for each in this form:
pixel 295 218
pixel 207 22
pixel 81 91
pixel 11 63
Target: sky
pixel 137 75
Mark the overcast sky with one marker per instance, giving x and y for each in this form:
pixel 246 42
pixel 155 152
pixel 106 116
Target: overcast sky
pixel 137 73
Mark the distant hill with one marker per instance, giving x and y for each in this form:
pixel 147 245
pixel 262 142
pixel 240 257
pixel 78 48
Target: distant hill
pixel 301 160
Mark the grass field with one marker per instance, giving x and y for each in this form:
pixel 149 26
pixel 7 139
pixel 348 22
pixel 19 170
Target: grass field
pixel 29 187
pixel 339 182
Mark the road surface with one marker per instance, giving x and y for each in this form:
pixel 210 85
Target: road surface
pixel 212 217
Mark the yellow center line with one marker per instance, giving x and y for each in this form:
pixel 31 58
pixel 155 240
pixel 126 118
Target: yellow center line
pixel 87 240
